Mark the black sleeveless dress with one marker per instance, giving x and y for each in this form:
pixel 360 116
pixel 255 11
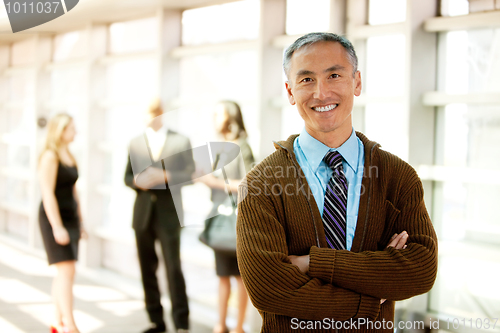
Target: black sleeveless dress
pixel 66 178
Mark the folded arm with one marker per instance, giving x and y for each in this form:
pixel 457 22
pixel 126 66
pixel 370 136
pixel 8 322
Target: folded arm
pixel 277 286
pixel 392 273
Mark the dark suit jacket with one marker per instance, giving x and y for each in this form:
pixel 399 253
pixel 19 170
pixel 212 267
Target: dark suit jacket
pixel 178 160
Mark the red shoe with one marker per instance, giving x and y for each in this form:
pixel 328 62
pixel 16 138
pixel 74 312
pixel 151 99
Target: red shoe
pixel 53 329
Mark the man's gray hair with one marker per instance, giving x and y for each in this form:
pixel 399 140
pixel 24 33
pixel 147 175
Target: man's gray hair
pixel 315 37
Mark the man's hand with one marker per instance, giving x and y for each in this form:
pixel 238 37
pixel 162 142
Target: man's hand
pixel 398 242
pixel 302 262
pixel 149 178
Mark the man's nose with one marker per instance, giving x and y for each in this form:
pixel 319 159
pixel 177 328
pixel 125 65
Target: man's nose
pixel 322 90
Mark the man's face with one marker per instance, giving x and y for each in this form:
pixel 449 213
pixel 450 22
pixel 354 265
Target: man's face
pixel 154 120
pixel 322 85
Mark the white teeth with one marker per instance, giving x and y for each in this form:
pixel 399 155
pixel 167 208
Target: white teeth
pixel 325 108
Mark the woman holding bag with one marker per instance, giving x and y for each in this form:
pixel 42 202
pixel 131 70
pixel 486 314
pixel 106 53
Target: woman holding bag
pixel 229 124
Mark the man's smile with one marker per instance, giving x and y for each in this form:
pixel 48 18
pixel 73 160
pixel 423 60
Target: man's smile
pixel 325 108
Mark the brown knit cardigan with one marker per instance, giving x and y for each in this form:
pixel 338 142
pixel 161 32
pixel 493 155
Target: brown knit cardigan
pixel 279 217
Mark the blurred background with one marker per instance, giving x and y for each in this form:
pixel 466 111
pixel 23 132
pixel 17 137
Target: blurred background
pixel 431 95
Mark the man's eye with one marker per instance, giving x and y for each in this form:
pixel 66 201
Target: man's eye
pixel 334 76
pixel 307 79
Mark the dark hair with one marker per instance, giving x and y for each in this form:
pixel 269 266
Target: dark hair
pixel 236 125
pixel 315 37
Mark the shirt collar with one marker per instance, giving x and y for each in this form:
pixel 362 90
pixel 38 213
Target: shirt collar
pixel 315 150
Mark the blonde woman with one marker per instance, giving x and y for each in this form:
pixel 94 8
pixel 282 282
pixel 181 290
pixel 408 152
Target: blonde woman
pixel 59 216
pixel 229 125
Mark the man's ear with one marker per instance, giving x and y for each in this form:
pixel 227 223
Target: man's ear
pixel 357 83
pixel 291 99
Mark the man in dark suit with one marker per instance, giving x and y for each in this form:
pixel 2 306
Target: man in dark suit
pixel 158 160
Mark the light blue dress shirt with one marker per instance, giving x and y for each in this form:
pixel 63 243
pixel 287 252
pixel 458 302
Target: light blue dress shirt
pixel 310 152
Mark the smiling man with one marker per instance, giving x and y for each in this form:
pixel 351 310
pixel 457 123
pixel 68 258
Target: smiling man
pixel 333 229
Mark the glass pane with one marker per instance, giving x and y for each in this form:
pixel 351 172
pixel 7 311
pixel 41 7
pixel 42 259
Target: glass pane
pixel 68 84
pixel 23 53
pixel 470 136
pixel 385 66
pixel 18 193
pixel 484 60
pixel 213 77
pixel 383 123
pixel 467 215
pixel 69 46
pixel 468 284
pixel 483 137
pixel 307 16
pixel 456 132
pixel 3 156
pixel 473 61
pixel 457 66
pixel 122 123
pixel 18 157
pixel 205 80
pixel 132 80
pixel 3 181
pixel 133 36
pixel 454 7
pixel 4 87
pixel 21 87
pixel 18 225
pixel 386 11
pixel 221 23
pixel 17 121
pixel 291 121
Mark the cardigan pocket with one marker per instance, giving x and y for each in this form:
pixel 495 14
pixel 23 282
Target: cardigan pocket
pixel 391 215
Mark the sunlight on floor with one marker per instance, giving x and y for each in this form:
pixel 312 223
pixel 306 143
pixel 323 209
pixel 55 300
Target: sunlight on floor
pixel 24 263
pixel 122 308
pixel 5 326
pixel 96 293
pixel 44 313
pixel 86 322
pixel 17 292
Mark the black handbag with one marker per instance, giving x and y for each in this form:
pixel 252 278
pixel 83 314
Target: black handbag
pixel 220 230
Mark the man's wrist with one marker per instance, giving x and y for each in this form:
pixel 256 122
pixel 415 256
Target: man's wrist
pixel 321 263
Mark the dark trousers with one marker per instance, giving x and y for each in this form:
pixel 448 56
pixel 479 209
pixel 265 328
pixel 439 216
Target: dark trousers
pixel 170 243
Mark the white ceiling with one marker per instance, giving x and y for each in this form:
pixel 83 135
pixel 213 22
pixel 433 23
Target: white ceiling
pixel 99 11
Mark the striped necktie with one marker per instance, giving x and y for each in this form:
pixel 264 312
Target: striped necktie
pixel 335 208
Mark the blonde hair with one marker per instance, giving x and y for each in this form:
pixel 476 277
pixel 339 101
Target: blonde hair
pixel 55 129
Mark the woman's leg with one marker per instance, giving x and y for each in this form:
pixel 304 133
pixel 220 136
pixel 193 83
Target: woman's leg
pixel 242 305
pixel 63 292
pixel 57 310
pixel 224 292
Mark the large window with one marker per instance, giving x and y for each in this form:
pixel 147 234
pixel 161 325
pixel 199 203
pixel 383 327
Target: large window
pixel 470 228
pixel 307 16
pixel 234 21
pixel 384 82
